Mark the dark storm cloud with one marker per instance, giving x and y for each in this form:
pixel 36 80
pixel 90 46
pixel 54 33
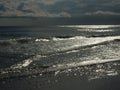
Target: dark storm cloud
pixel 27 8
pixel 59 8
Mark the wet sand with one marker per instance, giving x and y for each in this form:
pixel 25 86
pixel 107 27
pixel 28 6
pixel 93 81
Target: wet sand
pixel 66 83
pixel 70 79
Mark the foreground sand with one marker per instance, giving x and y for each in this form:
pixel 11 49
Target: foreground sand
pixel 95 77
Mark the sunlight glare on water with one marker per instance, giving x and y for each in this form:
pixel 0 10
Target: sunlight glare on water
pixel 91 26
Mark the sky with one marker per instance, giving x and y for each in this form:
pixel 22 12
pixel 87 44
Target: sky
pixel 59 8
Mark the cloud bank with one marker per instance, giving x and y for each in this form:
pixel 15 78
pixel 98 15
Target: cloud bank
pixel 28 8
pixel 103 13
pixel 59 8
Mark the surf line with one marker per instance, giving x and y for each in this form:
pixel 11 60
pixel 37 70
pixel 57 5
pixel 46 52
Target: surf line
pixel 58 67
pixel 79 64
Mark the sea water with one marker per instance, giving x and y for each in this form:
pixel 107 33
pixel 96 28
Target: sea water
pixel 26 51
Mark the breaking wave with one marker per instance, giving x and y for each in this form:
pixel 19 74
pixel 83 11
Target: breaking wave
pixel 74 52
pixel 94 49
pixel 57 38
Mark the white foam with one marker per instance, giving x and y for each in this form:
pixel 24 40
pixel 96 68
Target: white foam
pixel 25 63
pixel 102 73
pixel 83 63
pixel 73 51
pixel 79 41
pixel 81 38
pixel 112 74
pixel 45 40
pixel 69 44
pixel 71 38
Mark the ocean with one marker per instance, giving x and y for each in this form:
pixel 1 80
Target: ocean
pixel 40 58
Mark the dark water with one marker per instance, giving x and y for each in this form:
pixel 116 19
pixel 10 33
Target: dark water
pixel 88 51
